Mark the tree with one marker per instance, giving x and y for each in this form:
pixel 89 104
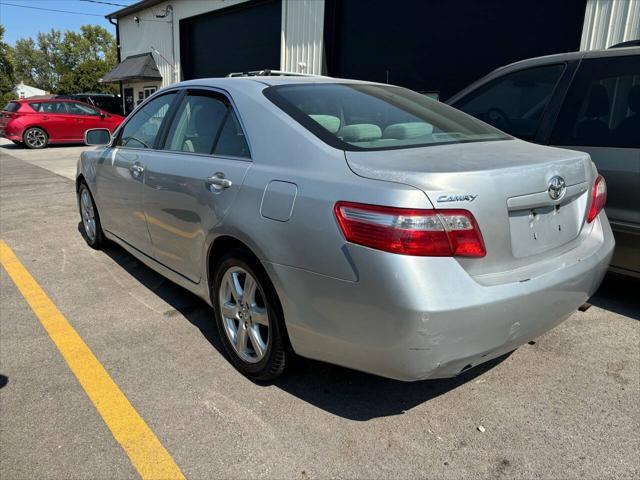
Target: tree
pixel 7 76
pixel 67 63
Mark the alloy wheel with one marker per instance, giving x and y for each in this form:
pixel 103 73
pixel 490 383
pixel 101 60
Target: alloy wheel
pixel 35 138
pixel 88 214
pixel 244 314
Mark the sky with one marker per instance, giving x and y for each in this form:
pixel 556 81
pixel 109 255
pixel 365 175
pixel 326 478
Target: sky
pixel 20 21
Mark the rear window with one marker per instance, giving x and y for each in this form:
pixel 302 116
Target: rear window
pixel 377 117
pixel 11 107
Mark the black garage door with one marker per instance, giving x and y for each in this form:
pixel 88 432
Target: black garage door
pixel 443 45
pixel 235 39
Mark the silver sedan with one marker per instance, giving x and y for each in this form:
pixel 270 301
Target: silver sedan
pixel 355 223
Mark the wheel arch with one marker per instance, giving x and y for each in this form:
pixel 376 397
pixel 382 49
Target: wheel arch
pixel 28 127
pixel 80 179
pixel 219 247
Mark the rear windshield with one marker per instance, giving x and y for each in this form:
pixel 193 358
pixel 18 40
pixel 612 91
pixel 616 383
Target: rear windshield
pixel 11 107
pixel 377 117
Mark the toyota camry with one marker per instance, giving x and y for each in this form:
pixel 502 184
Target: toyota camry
pixel 356 223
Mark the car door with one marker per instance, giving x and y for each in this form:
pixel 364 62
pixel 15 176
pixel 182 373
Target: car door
pixel 55 120
pixel 120 173
pixel 84 118
pixel 191 184
pixel 601 116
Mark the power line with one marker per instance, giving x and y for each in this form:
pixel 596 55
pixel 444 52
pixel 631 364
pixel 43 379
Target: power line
pixel 105 3
pixel 50 9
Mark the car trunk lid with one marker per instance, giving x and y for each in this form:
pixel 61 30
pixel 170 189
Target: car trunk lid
pixel 505 185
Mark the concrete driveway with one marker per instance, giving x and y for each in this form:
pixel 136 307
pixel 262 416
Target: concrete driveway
pixel 565 406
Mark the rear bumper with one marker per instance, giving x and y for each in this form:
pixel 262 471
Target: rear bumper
pixel 10 135
pixel 412 318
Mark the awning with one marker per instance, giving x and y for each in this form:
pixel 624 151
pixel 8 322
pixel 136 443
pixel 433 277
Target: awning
pixel 135 67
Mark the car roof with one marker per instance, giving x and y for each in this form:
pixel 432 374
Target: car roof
pixel 267 80
pixel 563 57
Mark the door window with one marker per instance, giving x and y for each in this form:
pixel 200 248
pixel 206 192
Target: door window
pixel 81 109
pixel 232 142
pixel 602 107
pixel 196 125
pixel 514 102
pixel 50 107
pixel 142 129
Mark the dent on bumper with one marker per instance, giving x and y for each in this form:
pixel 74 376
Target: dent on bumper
pixel 412 319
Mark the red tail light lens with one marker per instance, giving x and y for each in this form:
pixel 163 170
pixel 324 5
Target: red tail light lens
pixel 598 198
pixel 426 233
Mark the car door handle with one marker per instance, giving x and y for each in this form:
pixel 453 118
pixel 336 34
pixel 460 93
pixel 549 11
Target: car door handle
pixel 136 170
pixel 218 182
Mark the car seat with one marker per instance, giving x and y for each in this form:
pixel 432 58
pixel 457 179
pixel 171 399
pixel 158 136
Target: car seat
pixel 200 138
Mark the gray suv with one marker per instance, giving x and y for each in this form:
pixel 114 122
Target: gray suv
pixel 588 101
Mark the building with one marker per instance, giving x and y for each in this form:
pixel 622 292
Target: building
pixel 26 91
pixel 432 46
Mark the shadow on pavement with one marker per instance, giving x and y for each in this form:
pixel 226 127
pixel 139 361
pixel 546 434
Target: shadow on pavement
pixel 13 146
pixel 619 294
pixel 3 380
pixel 340 391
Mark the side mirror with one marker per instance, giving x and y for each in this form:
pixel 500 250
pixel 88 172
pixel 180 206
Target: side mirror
pixel 102 115
pixel 97 136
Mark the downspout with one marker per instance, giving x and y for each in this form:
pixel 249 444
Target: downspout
pixel 173 47
pixel 116 24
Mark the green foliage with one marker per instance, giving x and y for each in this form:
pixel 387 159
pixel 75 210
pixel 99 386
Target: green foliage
pixel 71 62
pixel 7 69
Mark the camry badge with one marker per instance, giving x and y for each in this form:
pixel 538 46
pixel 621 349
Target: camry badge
pixel 456 198
pixel 557 187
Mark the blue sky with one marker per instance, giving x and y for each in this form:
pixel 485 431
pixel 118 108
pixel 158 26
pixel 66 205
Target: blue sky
pixel 27 22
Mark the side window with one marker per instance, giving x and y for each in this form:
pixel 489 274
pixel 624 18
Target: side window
pixel 602 107
pixel 142 128
pixel 196 125
pixel 231 141
pixel 515 102
pixel 52 107
pixel 81 109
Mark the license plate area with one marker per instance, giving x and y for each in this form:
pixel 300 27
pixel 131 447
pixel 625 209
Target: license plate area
pixel 536 230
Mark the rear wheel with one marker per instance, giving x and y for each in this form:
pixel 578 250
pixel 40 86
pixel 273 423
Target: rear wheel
pixel 249 317
pixel 90 219
pixel 35 138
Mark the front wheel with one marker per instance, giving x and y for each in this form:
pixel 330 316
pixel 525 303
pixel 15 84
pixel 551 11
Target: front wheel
pixel 249 317
pixel 92 229
pixel 35 138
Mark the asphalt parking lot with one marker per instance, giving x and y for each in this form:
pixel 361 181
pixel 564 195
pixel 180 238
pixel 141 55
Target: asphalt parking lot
pixel 566 406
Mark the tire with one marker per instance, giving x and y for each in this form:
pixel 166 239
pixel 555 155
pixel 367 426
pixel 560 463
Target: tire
pixel 35 138
pixel 89 218
pixel 253 318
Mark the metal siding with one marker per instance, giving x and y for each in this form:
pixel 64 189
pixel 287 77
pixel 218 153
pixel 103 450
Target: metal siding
pixel 156 32
pixel 302 31
pixel 607 22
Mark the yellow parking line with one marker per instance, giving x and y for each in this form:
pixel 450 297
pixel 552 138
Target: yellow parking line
pixel 145 451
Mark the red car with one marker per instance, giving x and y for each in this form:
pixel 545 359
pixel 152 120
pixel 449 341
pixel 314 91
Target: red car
pixel 36 122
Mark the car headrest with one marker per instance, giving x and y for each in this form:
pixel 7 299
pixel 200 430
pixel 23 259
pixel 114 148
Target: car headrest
pixel 634 99
pixel 331 123
pixel 598 105
pixel 360 132
pixel 402 131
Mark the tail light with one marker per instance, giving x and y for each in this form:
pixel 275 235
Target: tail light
pixel 598 198
pixel 437 233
